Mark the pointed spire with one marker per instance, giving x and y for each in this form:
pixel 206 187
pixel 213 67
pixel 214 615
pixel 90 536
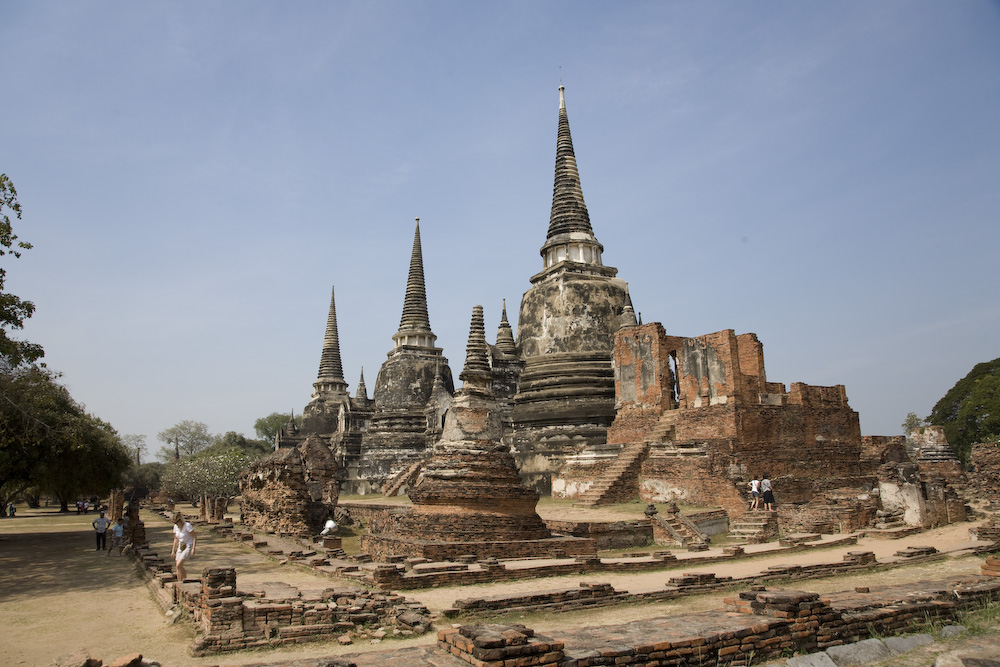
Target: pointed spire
pixel 330 368
pixel 362 389
pixel 505 334
pixel 476 374
pixel 570 237
pixel 569 212
pixel 627 318
pixel 414 325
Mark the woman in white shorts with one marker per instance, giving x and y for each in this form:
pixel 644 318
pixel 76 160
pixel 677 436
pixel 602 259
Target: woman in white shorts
pixel 184 541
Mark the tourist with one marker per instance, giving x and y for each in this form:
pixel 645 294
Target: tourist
pixel 328 528
pixel 754 485
pixel 117 536
pixel 765 487
pixel 101 524
pixel 184 541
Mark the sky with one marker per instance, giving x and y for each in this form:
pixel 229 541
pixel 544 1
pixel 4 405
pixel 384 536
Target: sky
pixel 196 177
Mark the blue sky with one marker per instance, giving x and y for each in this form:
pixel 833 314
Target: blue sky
pixel 196 176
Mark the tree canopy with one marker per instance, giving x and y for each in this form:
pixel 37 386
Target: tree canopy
pixel 210 474
pixel 184 438
pixel 13 310
pixel 267 428
pixel 970 411
pixel 50 441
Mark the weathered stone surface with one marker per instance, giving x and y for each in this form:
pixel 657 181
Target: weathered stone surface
pixel 811 660
pixel 899 645
pixel 469 491
pixel 565 332
pixel 859 653
pixel 292 490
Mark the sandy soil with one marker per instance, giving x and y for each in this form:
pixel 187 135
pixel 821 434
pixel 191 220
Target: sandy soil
pixel 58 594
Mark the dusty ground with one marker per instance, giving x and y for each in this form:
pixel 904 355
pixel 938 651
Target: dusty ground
pixel 58 594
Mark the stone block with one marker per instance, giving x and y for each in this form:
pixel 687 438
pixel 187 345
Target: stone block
pixel 859 653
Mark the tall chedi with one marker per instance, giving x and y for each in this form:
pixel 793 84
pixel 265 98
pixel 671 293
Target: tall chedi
pixel 568 318
pixel 321 415
pixel 406 420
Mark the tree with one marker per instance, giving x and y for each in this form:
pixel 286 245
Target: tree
pixel 48 440
pixel 13 310
pixel 144 479
pixel 207 476
pixel 234 440
pixel 911 422
pixel 89 459
pixel 33 407
pixel 268 427
pixel 970 411
pixel 185 438
pixel 136 444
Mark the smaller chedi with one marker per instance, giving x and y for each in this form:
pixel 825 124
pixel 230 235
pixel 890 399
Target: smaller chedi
pixel 469 499
pixel 292 490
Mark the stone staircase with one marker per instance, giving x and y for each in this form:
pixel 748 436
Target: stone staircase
pixel 754 528
pixel 617 482
pixel 405 478
pixel 680 531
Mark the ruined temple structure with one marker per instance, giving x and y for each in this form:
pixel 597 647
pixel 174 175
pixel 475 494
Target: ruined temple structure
pixel 412 391
pixel 565 334
pixel 329 397
pixel 469 499
pixel 594 405
pixel 697 418
pixel 292 490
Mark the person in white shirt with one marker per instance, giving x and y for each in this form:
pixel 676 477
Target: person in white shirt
pixel 754 485
pixel 184 541
pixel 101 524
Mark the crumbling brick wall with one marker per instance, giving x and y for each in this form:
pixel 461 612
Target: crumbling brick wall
pixel 984 475
pixel 292 490
pixel 728 422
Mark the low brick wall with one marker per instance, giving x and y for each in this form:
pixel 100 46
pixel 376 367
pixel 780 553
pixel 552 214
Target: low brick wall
pixel 604 595
pixel 228 620
pixel 607 534
pixel 395 577
pixel 382 547
pixel 500 646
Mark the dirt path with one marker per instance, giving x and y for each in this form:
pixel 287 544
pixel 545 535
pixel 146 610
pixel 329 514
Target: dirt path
pixel 57 594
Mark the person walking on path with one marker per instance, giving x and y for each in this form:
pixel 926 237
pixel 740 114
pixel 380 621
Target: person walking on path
pixel 765 487
pixel 183 548
pixel 101 524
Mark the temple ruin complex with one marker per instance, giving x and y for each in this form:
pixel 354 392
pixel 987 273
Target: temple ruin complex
pixel 594 405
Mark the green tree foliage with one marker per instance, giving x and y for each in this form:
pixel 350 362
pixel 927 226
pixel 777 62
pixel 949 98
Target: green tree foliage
pixel 143 479
pixel 88 459
pixel 31 407
pixel 911 422
pixel 970 411
pixel 267 428
pixel 13 310
pixel 234 440
pixel 48 440
pixel 184 438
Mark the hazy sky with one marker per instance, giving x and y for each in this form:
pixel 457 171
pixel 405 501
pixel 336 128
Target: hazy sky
pixel 196 176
